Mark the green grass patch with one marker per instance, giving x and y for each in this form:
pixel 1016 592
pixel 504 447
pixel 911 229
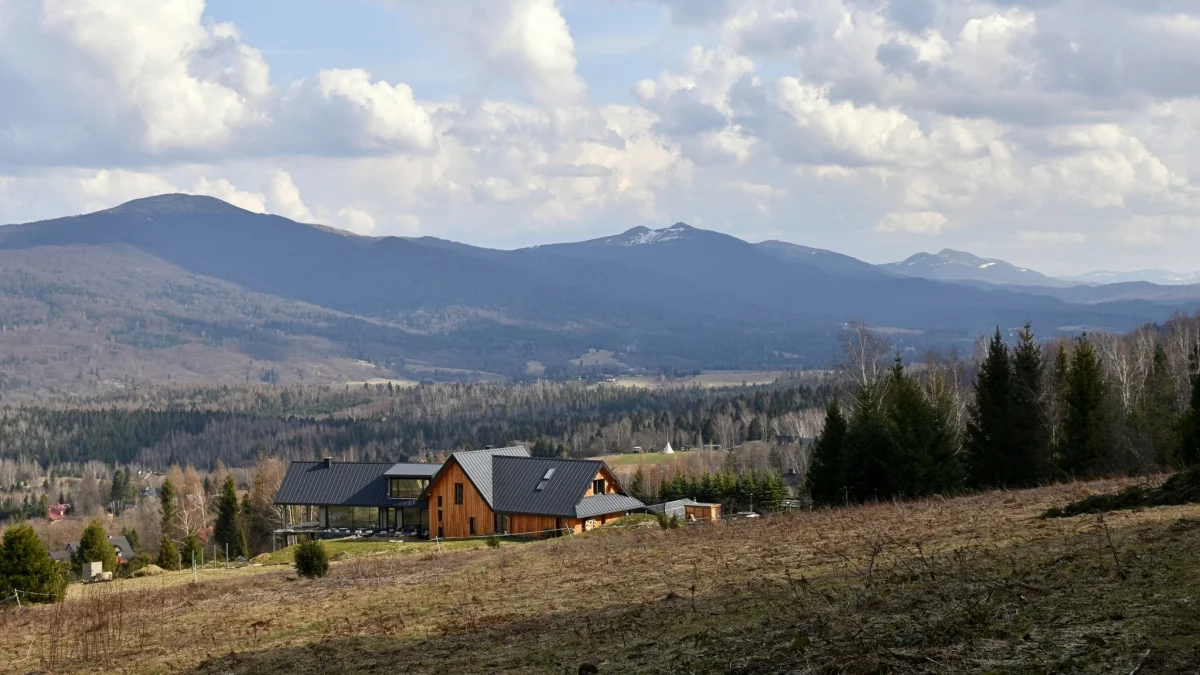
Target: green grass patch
pixel 647 458
pixel 341 549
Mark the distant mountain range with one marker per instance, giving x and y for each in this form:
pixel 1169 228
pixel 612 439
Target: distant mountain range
pixel 951 265
pixel 182 289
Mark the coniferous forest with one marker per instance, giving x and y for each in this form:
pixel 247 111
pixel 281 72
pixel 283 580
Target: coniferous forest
pixel 1038 412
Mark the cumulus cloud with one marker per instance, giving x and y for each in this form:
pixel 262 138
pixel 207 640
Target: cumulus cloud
pixel 525 41
pixel 284 198
pixel 1006 126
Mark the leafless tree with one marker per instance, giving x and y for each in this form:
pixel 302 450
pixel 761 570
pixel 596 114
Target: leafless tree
pixel 864 361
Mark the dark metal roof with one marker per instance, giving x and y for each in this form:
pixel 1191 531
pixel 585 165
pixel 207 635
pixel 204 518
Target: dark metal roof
pixel 338 484
pixel 516 479
pixel 477 464
pixel 413 470
pixel 121 543
pixel 598 505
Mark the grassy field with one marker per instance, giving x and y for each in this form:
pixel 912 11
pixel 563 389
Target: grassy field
pixel 343 548
pixel 646 458
pixel 709 380
pixel 976 584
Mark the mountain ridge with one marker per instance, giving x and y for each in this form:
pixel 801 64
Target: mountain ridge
pixel 309 303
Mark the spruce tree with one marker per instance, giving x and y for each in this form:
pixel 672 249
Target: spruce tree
pixel 1084 451
pixel 169 502
pixel 755 431
pixel 638 486
pixel 26 566
pixel 191 550
pixel 168 555
pixel 989 438
pixel 94 547
pixel 1156 417
pixel 227 531
pixel 1189 450
pixel 826 478
pixel 1029 463
pixel 869 455
pixel 923 460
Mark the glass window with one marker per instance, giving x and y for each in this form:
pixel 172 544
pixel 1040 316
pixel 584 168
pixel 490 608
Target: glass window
pixel 458 493
pixel 341 516
pixel 471 523
pixel 406 488
pixel 366 516
pixel 598 486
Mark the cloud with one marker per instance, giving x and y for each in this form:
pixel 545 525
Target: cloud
pixel 1001 126
pixel 283 197
pixel 1048 237
pixel 920 222
pixel 525 41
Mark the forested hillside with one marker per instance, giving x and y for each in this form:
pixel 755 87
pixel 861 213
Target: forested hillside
pixel 386 423
pixel 185 290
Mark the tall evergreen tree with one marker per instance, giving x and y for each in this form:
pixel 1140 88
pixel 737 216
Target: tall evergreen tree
pixel 755 431
pixel 868 455
pixel 26 566
pixel 989 439
pixel 1084 451
pixel 94 547
pixel 1189 450
pixel 924 461
pixel 1030 453
pixel 826 474
pixel 1156 417
pixel 169 502
pixel 227 531
pixel 638 486
pixel 168 555
pixel 1056 402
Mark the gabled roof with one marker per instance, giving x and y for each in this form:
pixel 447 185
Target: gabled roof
pixel 121 543
pixel 516 481
pixel 336 484
pixel 477 464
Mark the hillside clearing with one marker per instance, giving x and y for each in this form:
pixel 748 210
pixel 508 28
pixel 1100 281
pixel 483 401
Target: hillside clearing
pixel 974 584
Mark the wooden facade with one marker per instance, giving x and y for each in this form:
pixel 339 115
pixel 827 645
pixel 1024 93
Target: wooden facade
pixel 450 520
pixel 703 512
pixel 610 483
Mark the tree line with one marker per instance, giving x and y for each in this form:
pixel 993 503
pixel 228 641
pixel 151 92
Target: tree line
pixel 1038 412
pixel 392 423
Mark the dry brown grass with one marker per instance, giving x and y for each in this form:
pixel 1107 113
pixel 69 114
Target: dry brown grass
pixel 505 607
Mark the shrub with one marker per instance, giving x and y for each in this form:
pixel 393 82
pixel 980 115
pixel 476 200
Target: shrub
pixel 493 541
pixel 26 566
pixel 168 555
pixel 312 560
pixel 667 522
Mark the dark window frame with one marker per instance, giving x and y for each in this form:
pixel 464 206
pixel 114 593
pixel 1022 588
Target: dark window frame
pixel 598 486
pixel 459 494
pixel 471 525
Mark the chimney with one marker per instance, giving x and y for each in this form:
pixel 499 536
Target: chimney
pixel 328 462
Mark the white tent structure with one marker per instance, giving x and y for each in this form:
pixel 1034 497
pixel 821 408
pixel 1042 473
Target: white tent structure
pixel 667 450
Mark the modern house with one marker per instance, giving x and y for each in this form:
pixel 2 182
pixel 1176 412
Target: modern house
pixel 475 493
pixel 355 496
pixel 121 546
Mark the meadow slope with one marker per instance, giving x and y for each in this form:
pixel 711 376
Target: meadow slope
pixel 973 584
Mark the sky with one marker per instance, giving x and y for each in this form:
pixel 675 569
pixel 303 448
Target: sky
pixel 1062 135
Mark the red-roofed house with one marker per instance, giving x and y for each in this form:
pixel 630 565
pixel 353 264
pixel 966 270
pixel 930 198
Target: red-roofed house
pixel 58 511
